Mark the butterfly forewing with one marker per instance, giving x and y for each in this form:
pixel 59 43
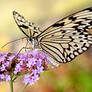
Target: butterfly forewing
pixel 28 28
pixel 80 20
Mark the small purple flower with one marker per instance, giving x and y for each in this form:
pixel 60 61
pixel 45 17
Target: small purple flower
pixel 35 71
pixel 39 62
pixel 7 78
pixel 4 77
pixel 2 58
pixel 3 67
pixel 29 64
pixel 18 68
pixel 30 79
pixel 11 58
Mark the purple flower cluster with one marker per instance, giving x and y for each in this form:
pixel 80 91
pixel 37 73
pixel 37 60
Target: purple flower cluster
pixel 29 64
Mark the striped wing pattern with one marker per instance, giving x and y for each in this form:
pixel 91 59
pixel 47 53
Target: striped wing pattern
pixel 28 28
pixel 68 38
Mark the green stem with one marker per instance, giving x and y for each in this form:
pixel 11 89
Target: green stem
pixel 24 87
pixel 11 85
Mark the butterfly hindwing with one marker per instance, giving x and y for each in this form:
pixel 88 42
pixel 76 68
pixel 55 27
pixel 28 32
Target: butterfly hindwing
pixel 69 37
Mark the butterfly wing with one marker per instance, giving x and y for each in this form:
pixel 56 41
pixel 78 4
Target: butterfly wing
pixel 28 28
pixel 68 38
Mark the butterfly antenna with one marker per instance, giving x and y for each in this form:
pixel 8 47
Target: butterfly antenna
pixel 13 41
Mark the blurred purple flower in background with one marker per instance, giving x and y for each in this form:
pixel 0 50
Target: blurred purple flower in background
pixel 29 64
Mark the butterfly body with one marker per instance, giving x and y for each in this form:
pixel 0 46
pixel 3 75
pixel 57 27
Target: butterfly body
pixel 62 41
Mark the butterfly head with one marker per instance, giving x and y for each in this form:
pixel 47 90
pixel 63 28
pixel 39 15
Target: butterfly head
pixel 28 28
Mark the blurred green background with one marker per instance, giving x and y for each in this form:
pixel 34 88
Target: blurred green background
pixel 71 77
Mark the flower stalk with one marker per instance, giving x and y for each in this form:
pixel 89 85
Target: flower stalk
pixel 23 89
pixel 11 85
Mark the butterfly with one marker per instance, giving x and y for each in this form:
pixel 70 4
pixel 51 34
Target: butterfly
pixel 63 40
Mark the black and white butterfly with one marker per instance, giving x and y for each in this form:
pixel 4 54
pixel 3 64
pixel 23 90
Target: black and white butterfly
pixel 62 41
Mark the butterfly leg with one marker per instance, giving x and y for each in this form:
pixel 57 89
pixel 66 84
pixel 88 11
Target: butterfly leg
pixel 26 45
pixel 23 48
